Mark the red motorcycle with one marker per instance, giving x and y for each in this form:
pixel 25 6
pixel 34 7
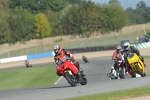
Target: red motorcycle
pixel 67 69
pixel 120 70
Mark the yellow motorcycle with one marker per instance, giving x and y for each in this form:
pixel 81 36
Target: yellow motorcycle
pixel 136 64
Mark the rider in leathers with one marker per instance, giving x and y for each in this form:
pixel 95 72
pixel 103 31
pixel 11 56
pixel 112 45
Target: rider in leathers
pixel 116 54
pixel 130 49
pixel 60 54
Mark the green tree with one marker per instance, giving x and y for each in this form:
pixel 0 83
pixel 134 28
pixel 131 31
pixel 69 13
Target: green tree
pixel 4 24
pixel 142 5
pixel 131 16
pixel 42 26
pixel 57 5
pixel 89 17
pixel 21 25
pixel 75 1
pixel 69 20
pixel 147 15
pixel 114 2
pixel 53 18
pixel 113 18
pixel 39 6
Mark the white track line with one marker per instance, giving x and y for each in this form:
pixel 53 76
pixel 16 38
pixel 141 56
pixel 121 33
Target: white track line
pixel 58 80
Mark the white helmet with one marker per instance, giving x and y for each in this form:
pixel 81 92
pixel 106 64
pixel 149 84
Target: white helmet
pixel 112 67
pixel 126 45
pixel 118 48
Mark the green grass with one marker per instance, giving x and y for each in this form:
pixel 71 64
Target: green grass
pixel 114 95
pixel 28 77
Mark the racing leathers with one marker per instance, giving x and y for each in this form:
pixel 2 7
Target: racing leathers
pixel 132 49
pixel 114 56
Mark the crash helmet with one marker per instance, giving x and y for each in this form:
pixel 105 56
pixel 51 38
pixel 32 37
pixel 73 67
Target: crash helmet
pixel 57 49
pixel 126 45
pixel 118 48
pixel 112 68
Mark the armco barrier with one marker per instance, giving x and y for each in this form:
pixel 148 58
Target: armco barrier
pixel 92 49
pixel 12 59
pixel 142 45
pixel 75 50
pixel 41 55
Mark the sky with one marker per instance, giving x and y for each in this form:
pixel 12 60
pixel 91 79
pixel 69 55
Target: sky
pixel 125 3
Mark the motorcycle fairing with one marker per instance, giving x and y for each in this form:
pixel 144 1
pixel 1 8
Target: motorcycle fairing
pixel 67 65
pixel 133 60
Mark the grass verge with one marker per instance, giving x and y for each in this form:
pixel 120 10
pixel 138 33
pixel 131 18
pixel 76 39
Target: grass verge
pixel 116 95
pixel 146 57
pixel 28 77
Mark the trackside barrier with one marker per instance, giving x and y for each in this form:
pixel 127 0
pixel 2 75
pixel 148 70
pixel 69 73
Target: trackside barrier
pixel 141 45
pixel 12 59
pixel 92 49
pixel 75 50
pixel 40 55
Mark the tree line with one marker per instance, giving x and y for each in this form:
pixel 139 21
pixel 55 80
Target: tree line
pixel 23 20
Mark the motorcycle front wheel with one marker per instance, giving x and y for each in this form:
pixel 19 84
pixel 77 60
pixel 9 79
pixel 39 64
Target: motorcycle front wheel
pixel 70 78
pixel 140 71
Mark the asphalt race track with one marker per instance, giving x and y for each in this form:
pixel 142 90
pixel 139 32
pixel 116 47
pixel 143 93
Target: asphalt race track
pixel 98 82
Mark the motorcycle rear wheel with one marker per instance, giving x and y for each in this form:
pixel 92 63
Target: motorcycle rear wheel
pixel 70 78
pixel 121 73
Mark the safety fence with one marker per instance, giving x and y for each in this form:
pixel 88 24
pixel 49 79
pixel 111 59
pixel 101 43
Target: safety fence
pixel 75 50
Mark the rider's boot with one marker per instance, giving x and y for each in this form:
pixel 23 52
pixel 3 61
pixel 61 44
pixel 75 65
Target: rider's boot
pixel 78 66
pixel 79 77
pixel 59 74
pixel 142 59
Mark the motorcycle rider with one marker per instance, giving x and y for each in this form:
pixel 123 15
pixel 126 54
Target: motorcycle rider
pixel 61 53
pixel 27 63
pixel 112 73
pixel 116 54
pixel 127 49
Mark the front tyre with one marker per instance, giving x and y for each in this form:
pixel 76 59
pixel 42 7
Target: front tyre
pixel 144 74
pixel 70 78
pixel 140 71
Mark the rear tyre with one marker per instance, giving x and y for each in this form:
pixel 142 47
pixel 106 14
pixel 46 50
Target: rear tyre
pixel 133 75
pixel 140 71
pixel 144 74
pixel 71 79
pixel 121 73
